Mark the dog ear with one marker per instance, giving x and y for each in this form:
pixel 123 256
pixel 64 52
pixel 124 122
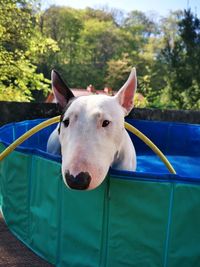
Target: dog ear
pixel 125 96
pixel 61 91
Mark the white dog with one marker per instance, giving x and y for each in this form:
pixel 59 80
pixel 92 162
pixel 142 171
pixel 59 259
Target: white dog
pixel 91 136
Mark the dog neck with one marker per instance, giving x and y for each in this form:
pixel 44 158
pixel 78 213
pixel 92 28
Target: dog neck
pixel 125 158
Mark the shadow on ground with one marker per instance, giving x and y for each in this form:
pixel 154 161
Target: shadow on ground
pixel 13 253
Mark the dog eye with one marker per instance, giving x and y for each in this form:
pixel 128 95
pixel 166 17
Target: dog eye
pixel 66 122
pixel 105 123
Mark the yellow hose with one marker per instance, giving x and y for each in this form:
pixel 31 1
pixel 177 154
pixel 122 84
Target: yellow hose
pixel 56 119
pixel 28 134
pixel 149 143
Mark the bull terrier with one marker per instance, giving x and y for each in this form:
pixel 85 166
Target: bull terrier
pixel 91 136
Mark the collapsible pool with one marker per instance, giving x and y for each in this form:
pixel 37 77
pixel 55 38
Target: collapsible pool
pixel 143 219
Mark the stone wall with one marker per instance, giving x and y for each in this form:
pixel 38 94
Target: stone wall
pixel 17 111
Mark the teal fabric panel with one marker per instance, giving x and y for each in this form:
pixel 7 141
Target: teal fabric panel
pixel 81 227
pixel 44 207
pixel 1 200
pixel 63 226
pixel 1 179
pixel 141 219
pixel 184 244
pixel 138 223
pixel 15 172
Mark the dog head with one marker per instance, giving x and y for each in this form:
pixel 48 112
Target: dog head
pixel 91 131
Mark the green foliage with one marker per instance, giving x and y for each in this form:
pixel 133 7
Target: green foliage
pixel 99 47
pixel 118 71
pixel 21 44
pixel 182 65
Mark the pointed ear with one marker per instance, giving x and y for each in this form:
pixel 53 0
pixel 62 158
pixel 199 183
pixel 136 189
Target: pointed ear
pixel 61 91
pixel 125 96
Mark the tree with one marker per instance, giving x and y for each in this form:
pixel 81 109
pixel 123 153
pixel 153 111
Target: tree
pixel 64 26
pixel 87 40
pixel 18 31
pixel 118 71
pixel 181 58
pixel 99 47
pixel 139 22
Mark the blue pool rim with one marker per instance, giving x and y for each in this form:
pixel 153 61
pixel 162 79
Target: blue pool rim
pixel 119 174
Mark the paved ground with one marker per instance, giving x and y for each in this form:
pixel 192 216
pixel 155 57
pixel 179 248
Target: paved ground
pixel 14 254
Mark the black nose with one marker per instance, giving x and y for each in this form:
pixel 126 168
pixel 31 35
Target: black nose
pixel 80 182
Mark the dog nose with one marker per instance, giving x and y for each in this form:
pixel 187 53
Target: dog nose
pixel 79 182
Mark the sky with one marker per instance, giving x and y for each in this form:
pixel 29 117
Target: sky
pixel 159 6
